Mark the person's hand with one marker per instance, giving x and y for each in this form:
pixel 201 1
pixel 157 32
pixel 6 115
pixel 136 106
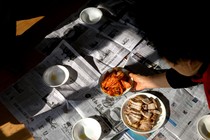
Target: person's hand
pixel 140 81
pixel 147 82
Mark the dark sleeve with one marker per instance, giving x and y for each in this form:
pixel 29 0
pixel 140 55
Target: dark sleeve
pixel 177 80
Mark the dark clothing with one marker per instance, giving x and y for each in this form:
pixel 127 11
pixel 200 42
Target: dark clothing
pixel 177 80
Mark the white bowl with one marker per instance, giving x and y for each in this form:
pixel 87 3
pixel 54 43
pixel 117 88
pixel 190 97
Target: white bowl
pixel 56 75
pixel 86 129
pixel 103 76
pixel 203 127
pixel 91 15
pixel 160 121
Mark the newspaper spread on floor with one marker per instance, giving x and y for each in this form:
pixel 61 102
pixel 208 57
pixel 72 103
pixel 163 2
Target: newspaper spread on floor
pixel 88 51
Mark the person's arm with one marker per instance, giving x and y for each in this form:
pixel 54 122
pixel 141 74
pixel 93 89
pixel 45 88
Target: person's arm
pixel 169 78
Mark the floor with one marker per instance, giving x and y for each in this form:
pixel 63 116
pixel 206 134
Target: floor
pixel 31 30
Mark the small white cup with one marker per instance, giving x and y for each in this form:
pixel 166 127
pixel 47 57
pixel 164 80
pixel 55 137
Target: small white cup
pixel 91 15
pixel 203 127
pixel 56 75
pixel 86 129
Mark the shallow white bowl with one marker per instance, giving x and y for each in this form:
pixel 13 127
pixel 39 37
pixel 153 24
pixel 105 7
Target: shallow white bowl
pixel 86 129
pixel 203 127
pixel 91 15
pixel 56 75
pixel 159 123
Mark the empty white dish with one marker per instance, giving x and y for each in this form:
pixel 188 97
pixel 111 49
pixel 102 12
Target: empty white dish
pixel 86 129
pixel 203 127
pixel 56 75
pixel 91 15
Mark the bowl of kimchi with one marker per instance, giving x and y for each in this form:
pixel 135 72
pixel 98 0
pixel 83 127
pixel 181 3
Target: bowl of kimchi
pixel 143 113
pixel 115 82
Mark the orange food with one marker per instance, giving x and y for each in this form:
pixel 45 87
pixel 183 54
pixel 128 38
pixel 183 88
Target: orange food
pixel 115 82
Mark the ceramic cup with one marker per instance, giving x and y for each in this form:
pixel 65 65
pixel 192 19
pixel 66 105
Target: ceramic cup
pixel 86 129
pixel 203 127
pixel 56 75
pixel 91 15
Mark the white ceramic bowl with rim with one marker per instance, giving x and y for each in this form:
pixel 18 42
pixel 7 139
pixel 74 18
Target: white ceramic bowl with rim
pixel 56 75
pixel 86 129
pixel 91 15
pixel 160 121
pixel 125 71
pixel 203 127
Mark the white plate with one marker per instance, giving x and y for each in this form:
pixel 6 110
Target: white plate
pixel 91 15
pixel 203 127
pixel 86 129
pixel 56 75
pixel 161 118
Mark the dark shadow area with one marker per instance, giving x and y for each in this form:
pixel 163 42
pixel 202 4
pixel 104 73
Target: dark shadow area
pixel 25 44
pixel 73 75
pixel 16 48
pixel 141 69
pixel 18 54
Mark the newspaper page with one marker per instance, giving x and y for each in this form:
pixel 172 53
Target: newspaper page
pixel 101 48
pixel 55 124
pixel 82 74
pixel 43 98
pixel 147 55
pixel 184 108
pixel 23 100
pixel 191 130
pixel 123 35
pixel 77 34
pixel 163 134
pixel 182 111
